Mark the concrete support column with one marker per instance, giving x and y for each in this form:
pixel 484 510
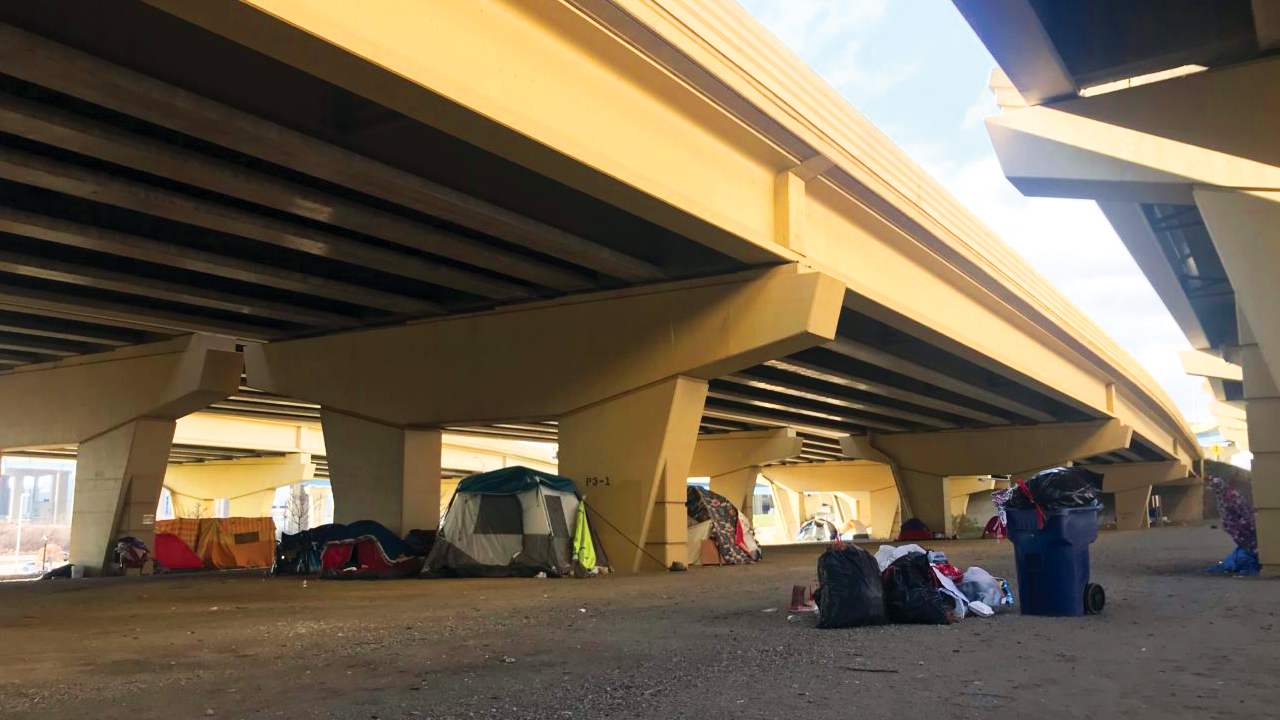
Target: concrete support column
pixel 789 504
pixel 631 455
pixel 187 506
pixel 738 487
pixel 248 484
pixel 926 497
pixel 119 475
pixel 252 505
pixel 1132 483
pixel 13 496
pixel 62 498
pixel 846 506
pixel 1131 508
pixel 1262 405
pixel 922 462
pixel 863 507
pixel 383 472
pixel 1183 504
pixel 885 516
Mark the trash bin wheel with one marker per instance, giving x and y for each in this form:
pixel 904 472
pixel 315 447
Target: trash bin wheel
pixel 1095 598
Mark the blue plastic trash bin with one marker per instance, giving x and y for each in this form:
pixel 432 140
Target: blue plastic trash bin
pixel 1053 561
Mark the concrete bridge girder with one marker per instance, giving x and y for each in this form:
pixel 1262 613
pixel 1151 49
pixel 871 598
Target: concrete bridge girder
pixel 249 484
pixel 633 362
pixel 922 462
pixel 786 190
pixel 733 460
pixel 796 179
pixel 121 408
pixel 874 482
pixel 1132 485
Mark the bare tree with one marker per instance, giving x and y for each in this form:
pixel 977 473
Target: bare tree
pixel 194 510
pixel 298 510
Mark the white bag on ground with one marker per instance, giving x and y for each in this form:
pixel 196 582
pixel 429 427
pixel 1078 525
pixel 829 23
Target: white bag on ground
pixel 978 584
pixel 888 553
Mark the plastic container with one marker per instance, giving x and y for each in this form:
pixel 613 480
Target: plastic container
pixel 1053 561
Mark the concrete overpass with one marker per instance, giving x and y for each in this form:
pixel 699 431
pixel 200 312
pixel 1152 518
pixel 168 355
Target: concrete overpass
pixel 1160 112
pixel 243 458
pixel 614 223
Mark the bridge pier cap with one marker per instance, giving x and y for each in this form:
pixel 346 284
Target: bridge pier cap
pixel 625 372
pixel 120 408
pixel 545 360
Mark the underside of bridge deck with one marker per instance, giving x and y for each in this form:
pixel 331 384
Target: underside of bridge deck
pixel 410 265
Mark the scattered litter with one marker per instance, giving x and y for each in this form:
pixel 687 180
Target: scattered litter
pixel 209 712
pixel 770 610
pixel 508 660
pixel 541 574
pixel 981 609
pixel 582 610
pixel 802 600
pixel 793 618
pixel 948 587
pixel 980 585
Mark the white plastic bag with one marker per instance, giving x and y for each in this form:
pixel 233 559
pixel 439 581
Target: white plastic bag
pixel 888 553
pixel 978 584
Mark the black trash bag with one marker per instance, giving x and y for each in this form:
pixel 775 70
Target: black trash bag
pixel 1055 489
pixel 849 591
pixel 911 594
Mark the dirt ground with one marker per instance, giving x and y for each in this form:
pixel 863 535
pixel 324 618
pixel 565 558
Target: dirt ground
pixel 1173 642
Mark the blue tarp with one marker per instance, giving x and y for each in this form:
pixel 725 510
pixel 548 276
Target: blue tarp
pixel 514 480
pixel 392 545
pixel 1239 562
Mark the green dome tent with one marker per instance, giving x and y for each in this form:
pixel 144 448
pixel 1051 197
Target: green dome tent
pixel 515 522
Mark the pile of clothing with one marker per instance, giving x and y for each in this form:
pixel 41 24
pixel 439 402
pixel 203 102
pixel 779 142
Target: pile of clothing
pixel 906 584
pixel 717 533
pixel 1237 515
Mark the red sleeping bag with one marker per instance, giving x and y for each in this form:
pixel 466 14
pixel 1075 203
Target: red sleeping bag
pixel 363 558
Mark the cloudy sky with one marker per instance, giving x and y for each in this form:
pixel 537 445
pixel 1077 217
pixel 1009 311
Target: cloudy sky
pixel 916 70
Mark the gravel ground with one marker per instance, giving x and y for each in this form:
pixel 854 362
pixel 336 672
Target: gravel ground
pixel 711 643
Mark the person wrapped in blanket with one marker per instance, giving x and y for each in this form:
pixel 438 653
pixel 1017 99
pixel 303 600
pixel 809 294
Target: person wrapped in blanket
pixel 1237 520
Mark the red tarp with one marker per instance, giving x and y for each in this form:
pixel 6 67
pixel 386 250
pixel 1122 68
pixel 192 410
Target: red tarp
pixel 173 554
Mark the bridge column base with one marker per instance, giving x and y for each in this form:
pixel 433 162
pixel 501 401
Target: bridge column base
pixel 118 479
pixel 926 497
pixel 383 472
pixel 630 456
pixel 1183 504
pixel 738 487
pixel 1131 508
pixel 886 505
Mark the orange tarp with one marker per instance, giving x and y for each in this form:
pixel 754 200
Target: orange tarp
pixel 187 529
pixel 225 543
